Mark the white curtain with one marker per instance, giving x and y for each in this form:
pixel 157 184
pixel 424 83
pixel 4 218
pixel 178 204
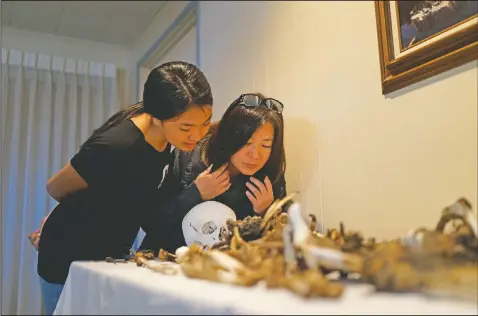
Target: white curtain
pixel 50 105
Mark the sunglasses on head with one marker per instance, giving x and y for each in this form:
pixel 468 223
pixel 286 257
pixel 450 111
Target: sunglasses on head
pixel 252 100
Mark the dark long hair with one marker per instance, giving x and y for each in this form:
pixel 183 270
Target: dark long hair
pixel 235 128
pixel 168 92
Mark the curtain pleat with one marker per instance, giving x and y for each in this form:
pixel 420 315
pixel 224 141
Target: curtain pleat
pixel 50 105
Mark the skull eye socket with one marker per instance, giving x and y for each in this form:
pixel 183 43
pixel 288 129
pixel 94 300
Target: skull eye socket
pixel 223 232
pixel 208 228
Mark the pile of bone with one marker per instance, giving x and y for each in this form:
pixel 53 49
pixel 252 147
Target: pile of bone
pixel 283 250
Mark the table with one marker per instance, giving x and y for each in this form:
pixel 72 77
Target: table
pixel 123 288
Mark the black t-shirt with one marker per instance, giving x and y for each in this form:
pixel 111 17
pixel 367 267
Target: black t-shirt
pixel 125 177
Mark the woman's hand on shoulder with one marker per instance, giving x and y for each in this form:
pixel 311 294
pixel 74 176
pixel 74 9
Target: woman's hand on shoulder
pixel 213 184
pixel 261 194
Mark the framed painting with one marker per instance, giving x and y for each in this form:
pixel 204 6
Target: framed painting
pixel 420 39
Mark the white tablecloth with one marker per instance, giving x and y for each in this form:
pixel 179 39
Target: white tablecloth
pixel 123 288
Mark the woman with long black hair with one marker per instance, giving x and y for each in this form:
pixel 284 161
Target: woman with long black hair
pixel 110 188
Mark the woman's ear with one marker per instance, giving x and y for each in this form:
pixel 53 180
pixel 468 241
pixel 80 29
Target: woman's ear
pixel 157 122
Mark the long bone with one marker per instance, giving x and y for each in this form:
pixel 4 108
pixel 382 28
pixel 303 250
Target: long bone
pixel 315 255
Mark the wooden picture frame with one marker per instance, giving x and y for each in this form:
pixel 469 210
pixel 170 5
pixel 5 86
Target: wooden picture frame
pixel 443 51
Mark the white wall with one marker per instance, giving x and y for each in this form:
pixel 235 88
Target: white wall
pixel 381 165
pixel 184 49
pixel 73 48
pixel 64 46
pixel 156 28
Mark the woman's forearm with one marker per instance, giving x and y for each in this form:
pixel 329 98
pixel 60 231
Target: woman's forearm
pixel 65 182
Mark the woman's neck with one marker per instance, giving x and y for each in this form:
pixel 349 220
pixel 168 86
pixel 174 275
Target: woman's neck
pixel 233 171
pixel 156 140
pixel 153 135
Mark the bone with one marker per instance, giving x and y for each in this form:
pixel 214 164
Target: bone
pixel 180 252
pixel 414 238
pixel 275 207
pixel 299 226
pixel 286 253
pixel 226 261
pixel 313 222
pixel 238 236
pixel 227 277
pixel 164 268
pixel 460 209
pixel 289 254
pixel 332 258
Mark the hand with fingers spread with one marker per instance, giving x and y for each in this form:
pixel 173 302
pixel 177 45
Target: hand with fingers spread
pixel 261 194
pixel 213 184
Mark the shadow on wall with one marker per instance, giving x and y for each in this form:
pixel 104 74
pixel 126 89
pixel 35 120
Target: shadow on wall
pixel 301 141
pixel 431 81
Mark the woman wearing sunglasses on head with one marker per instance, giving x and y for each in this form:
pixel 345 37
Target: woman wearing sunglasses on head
pixel 240 163
pixel 109 188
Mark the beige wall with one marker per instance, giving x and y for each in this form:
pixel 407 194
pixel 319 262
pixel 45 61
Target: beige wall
pixel 159 24
pixel 184 49
pixel 382 165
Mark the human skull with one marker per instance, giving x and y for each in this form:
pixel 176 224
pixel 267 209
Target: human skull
pixel 204 222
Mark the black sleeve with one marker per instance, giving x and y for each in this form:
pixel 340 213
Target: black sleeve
pixel 97 160
pixel 175 201
pixel 244 209
pixel 280 191
pixel 165 230
pixel 175 209
pixel 183 193
pixel 279 188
